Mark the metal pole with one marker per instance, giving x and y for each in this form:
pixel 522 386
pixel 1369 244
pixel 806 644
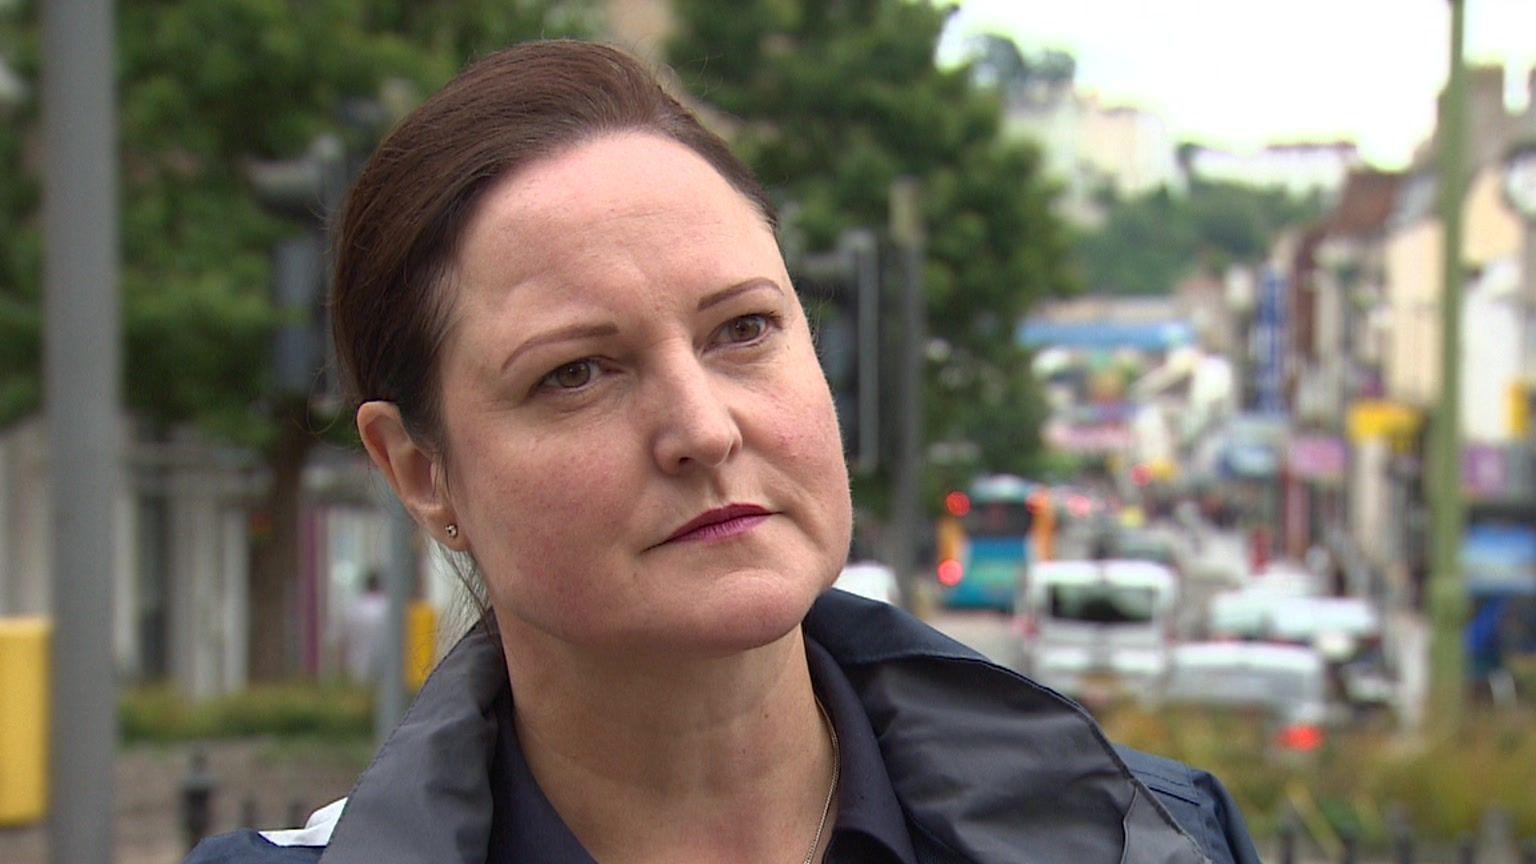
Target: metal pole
pixel 864 252
pixel 1447 594
pixel 82 381
pixel 399 577
pixel 906 512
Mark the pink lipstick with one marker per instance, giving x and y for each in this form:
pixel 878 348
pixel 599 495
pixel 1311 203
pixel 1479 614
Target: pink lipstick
pixel 722 522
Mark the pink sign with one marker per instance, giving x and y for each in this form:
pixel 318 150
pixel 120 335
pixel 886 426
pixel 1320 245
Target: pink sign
pixel 1318 457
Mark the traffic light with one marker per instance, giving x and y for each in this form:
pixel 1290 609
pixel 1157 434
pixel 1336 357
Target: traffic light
pixel 307 190
pixel 841 293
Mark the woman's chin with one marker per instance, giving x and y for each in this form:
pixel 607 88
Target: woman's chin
pixel 745 618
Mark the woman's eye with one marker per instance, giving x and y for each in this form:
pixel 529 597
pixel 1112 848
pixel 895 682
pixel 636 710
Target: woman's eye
pixel 571 376
pixel 747 328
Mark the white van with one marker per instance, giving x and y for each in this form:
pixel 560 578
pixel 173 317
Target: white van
pixel 1098 630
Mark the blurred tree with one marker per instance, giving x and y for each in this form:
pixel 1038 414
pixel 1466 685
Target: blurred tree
pixel 838 98
pixel 208 86
pixel 998 63
pixel 20 252
pixel 1148 243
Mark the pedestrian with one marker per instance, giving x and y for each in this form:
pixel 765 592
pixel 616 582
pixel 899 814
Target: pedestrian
pixel 1485 646
pixel 580 363
pixel 363 630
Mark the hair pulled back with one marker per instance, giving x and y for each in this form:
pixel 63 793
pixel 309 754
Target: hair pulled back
pixel 410 205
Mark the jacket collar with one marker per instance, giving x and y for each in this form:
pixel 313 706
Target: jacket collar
pixel 989 766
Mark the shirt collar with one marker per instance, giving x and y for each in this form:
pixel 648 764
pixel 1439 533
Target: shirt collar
pixel 866 801
pixel 526 827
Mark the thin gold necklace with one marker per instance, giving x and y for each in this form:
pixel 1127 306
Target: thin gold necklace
pixel 826 809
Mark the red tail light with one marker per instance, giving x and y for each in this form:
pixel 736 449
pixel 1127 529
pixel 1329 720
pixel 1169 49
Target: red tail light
pixel 1301 737
pixel 950 573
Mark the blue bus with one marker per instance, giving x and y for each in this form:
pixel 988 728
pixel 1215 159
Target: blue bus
pixel 984 542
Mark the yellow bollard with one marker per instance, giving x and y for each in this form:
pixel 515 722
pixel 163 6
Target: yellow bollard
pixel 24 661
pixel 420 643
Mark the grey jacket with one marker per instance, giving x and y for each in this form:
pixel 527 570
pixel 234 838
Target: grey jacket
pixel 988 766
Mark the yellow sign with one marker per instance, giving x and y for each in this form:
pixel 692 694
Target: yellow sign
pixel 1368 420
pixel 1519 410
pixel 420 643
pixel 24 661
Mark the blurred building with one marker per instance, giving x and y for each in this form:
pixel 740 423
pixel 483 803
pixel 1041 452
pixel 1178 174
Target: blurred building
pixel 1088 146
pixel 1121 375
pixel 179 582
pixel 1300 169
pixel 1359 304
pixel 187 518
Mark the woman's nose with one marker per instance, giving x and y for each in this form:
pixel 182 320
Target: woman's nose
pixel 695 427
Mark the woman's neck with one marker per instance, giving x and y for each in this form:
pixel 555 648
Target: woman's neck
pixel 660 759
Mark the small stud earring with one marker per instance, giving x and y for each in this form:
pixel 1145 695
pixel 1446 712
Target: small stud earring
pixel 453 531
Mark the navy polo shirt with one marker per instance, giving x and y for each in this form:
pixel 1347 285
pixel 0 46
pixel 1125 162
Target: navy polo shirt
pixel 870 829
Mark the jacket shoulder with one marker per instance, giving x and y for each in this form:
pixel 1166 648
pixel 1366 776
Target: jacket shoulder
pixel 1198 802
pixel 249 847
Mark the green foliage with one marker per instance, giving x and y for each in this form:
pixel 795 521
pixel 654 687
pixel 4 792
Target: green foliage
pixel 332 711
pixel 839 99
pixel 1442 785
pixel 1150 242
pixel 206 86
pixel 20 249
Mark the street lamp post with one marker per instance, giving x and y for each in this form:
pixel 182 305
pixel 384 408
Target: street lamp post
pixel 1447 596
pixel 908 234
pixel 82 371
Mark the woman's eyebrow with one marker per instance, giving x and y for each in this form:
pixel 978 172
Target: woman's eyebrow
pixel 754 284
pixel 560 334
pixel 591 331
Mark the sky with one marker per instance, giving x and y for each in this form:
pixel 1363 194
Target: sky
pixel 1240 74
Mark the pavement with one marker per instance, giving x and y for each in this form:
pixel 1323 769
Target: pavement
pixel 273 777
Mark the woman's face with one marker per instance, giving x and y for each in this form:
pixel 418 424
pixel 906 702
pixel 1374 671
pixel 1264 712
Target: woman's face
pixel 626 359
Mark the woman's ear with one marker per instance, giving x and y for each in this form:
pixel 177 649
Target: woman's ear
pixel 411 471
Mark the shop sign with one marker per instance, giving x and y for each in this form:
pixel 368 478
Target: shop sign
pixel 1321 458
pixel 1482 471
pixel 1379 419
pixel 1088 439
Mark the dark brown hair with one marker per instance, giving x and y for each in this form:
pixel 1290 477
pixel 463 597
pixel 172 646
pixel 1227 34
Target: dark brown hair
pixel 403 218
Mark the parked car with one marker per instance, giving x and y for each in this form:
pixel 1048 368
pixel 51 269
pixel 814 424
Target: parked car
pixel 1288 579
pixel 1248 612
pixel 1157 545
pixel 1287 685
pixel 1098 630
pixel 1347 632
pixel 870 579
pixel 1338 627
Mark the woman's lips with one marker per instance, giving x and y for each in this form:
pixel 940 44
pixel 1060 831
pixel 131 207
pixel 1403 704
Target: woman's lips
pixel 721 523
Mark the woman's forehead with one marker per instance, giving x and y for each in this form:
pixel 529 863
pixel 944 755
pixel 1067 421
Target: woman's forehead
pixel 630 206
pixel 619 176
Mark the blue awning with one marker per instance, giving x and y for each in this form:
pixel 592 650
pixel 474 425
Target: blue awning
pixel 1499 559
pixel 1102 336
